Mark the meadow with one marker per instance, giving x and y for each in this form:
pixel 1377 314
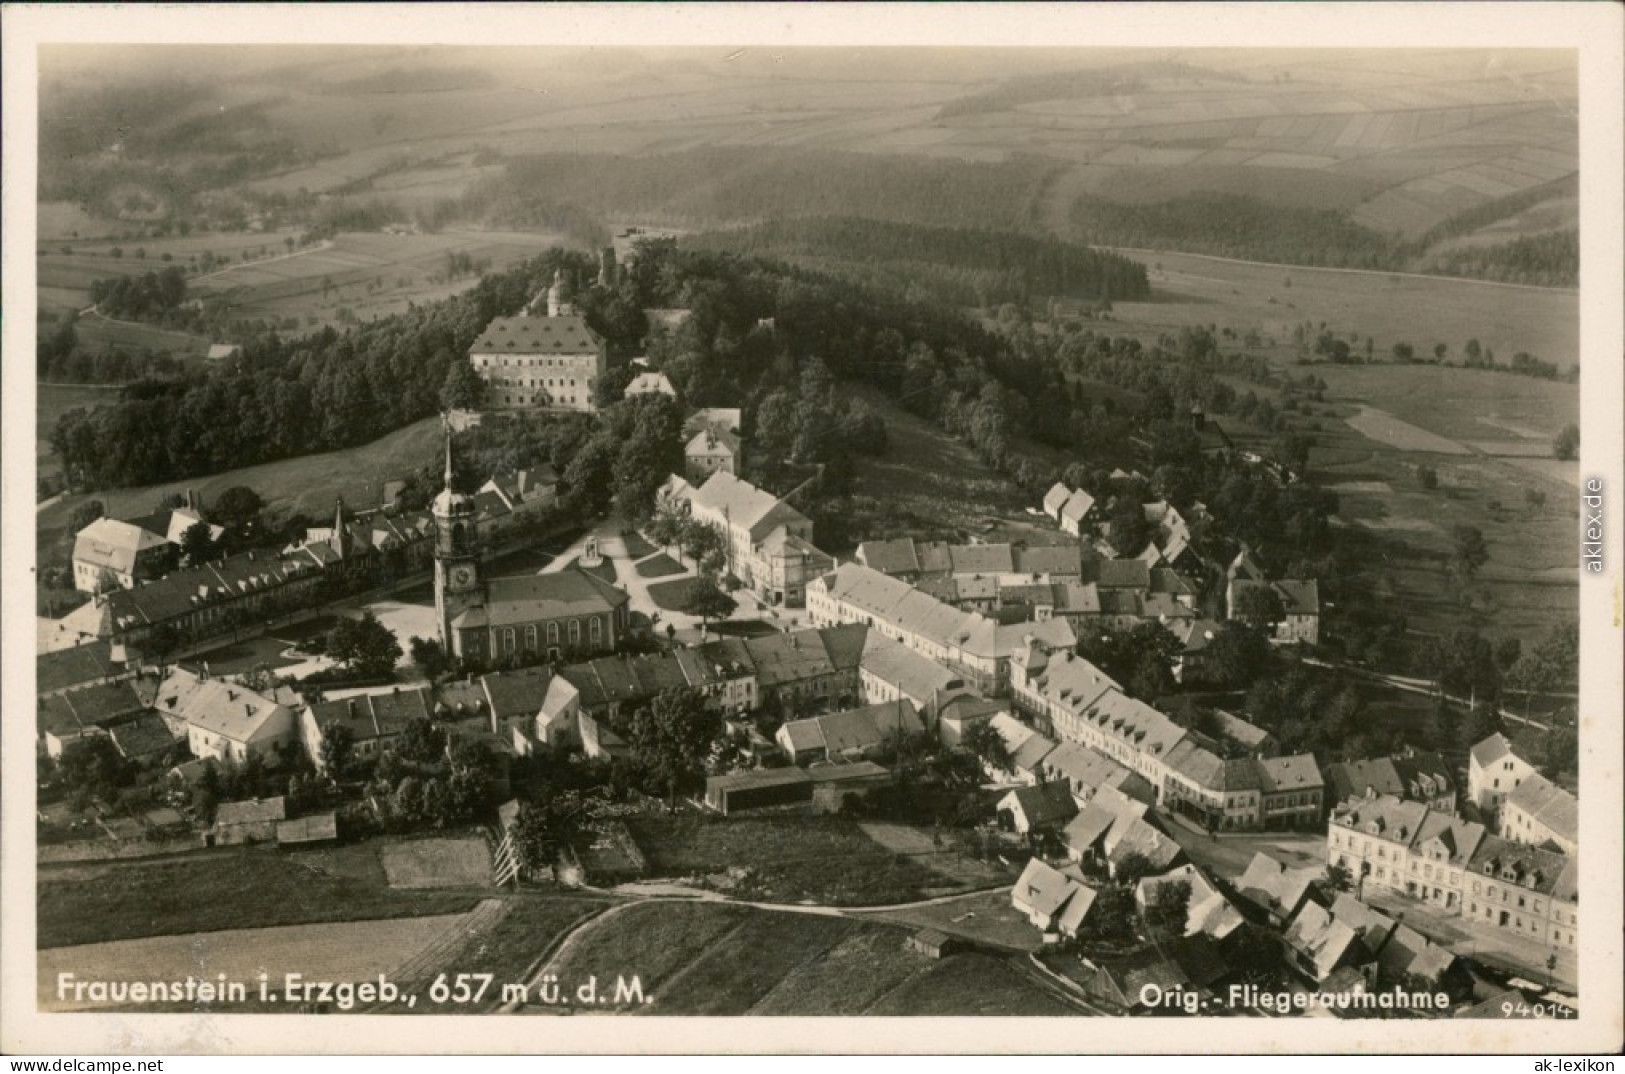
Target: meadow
pixel 1389 308
pixel 212 891
pixel 328 951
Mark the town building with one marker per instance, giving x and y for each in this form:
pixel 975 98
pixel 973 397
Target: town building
pixel 1494 771
pixel 867 733
pixel 1539 812
pixel 1528 891
pixel 226 720
pixel 651 382
pixel 973 645
pixel 1207 911
pixel 110 553
pixel 889 670
pixel 1036 808
pixel 1275 891
pixel 1069 508
pixel 1055 901
pixel 1299 599
pixel 1412 776
pixel 375 721
pixel 768 543
pixel 710 451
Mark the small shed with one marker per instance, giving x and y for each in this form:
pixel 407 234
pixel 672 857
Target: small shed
pixel 247 822
pixel 934 944
pixel 316 828
pixel 757 788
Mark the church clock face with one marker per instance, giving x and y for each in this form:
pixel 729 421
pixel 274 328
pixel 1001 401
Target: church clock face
pixel 462 576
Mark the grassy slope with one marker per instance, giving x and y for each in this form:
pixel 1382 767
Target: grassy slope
pixel 309 483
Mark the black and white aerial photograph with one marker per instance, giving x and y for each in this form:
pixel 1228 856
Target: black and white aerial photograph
pixel 863 530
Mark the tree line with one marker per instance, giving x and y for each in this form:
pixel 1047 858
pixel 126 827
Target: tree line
pixel 1242 226
pixel 985 267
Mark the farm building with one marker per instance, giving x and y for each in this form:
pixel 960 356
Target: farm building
pixel 317 828
pixel 854 734
pixel 247 822
pixel 142 738
pixel 757 788
pixel 1054 900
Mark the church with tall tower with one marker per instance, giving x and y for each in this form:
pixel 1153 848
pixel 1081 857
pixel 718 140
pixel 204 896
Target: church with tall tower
pixel 558 615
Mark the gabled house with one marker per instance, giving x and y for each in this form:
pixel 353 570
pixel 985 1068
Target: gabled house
pixel 1540 812
pixel 225 720
pixel 1053 900
pixel 1107 814
pixel 1141 839
pixel 1041 807
pixel 375 721
pixel 856 734
pixel 1275 891
pixel 1494 771
pixel 110 553
pixel 1207 912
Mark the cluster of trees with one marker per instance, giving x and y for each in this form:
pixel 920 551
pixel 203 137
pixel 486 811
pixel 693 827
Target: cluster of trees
pixel 957 266
pixel 1548 260
pixel 811 424
pixel 61 356
pixel 636 446
pixel 154 296
pixel 1315 713
pixel 419 782
pixel 289 397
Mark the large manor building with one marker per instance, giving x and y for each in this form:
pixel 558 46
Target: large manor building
pixel 551 362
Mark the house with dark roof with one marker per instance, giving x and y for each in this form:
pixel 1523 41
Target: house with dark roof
pixel 1299 601
pixel 142 739
pixel 963 712
pixel 78 666
pixel 1040 807
pixel 1106 813
pixel 375 721
pixel 1292 792
pixel 1527 891
pixel 1412 776
pixel 855 734
pixel 66 716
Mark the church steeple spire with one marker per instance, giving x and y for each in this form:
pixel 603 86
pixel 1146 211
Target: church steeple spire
pixel 446 422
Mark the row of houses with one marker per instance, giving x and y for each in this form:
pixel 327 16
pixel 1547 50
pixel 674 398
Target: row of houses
pixel 1076 701
pixel 974 646
pixel 1458 866
pixel 212 598
pixel 1517 801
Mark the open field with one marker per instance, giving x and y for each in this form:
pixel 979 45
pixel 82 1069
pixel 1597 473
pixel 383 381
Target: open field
pixel 372 275
pixel 791 858
pixel 1189 289
pixel 437 862
pixel 333 951
pixel 308 484
pixel 229 889
pixel 971 983
pixel 1462 404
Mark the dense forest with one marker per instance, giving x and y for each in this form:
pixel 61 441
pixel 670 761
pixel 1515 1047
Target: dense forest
pixel 957 266
pixel 1235 225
